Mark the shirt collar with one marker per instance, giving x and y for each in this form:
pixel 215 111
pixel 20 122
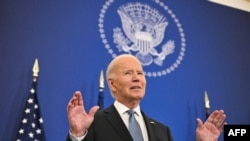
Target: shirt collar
pixel 121 108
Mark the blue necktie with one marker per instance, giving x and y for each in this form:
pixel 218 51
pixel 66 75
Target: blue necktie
pixel 134 127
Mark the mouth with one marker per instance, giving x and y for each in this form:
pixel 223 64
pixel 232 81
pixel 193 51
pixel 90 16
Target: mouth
pixel 135 87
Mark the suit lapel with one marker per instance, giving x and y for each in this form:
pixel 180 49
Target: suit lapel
pixel 150 127
pixel 115 120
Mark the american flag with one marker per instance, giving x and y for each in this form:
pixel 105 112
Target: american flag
pixel 31 126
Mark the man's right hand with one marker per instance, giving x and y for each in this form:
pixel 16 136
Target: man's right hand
pixel 79 120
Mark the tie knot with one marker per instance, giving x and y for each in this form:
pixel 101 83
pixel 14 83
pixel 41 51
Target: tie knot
pixel 131 112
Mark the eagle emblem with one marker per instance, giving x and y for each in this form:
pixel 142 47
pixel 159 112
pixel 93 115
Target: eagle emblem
pixel 144 28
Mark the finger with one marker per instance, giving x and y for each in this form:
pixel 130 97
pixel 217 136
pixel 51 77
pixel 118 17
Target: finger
pixel 80 99
pixel 222 127
pixel 73 101
pixel 69 107
pixel 93 110
pixel 222 121
pixel 76 97
pixel 212 116
pixel 219 119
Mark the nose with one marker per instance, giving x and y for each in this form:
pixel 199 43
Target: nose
pixel 135 77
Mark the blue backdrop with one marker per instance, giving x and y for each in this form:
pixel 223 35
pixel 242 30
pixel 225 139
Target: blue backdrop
pixel 73 41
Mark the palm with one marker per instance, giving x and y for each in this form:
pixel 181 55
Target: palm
pixel 208 132
pixel 79 119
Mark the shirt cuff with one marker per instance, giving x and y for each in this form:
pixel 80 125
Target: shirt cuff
pixel 74 138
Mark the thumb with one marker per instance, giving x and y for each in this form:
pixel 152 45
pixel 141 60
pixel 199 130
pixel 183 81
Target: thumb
pixel 199 122
pixel 93 110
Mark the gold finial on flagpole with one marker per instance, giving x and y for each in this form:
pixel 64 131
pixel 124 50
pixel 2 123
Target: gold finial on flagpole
pixel 35 68
pixel 207 105
pixel 101 81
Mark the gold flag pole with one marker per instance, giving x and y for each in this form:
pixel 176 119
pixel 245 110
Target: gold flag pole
pixel 101 81
pixel 207 105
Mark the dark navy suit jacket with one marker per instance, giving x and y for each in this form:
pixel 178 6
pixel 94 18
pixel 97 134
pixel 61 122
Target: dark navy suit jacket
pixel 108 126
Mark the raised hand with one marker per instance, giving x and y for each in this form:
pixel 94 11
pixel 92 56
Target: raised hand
pixel 211 129
pixel 79 119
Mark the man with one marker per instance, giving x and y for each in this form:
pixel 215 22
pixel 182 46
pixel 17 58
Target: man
pixel 127 84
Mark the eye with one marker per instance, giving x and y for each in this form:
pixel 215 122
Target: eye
pixel 128 73
pixel 140 73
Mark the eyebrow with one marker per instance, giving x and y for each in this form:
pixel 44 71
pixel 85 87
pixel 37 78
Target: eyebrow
pixel 133 71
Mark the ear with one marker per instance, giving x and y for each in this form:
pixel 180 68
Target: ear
pixel 111 85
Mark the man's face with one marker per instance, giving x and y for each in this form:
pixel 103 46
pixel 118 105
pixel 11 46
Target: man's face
pixel 128 83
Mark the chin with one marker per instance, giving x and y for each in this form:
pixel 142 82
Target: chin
pixel 139 97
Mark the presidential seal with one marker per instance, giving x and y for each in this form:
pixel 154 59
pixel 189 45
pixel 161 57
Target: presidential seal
pixel 146 29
